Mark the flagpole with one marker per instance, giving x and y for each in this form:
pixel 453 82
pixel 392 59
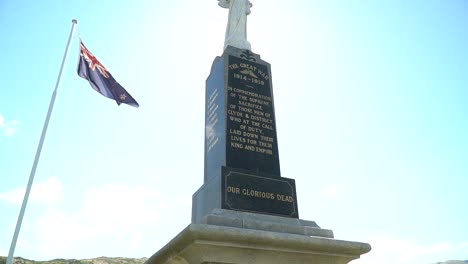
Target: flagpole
pixel 38 152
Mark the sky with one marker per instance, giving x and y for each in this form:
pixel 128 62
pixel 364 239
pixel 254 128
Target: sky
pixel 371 101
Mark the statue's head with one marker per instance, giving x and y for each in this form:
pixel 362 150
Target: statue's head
pixel 223 3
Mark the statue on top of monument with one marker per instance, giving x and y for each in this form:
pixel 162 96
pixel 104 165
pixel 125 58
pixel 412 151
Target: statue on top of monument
pixel 236 31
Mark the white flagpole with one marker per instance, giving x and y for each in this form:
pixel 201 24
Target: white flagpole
pixel 38 152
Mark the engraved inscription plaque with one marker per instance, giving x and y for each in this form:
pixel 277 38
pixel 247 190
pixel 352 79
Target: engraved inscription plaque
pixel 251 141
pixel 252 193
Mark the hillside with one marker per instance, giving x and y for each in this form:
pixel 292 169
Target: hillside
pixel 100 260
pixel 105 260
pixel 454 262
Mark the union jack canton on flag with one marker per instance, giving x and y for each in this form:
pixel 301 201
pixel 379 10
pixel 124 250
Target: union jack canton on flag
pixel 101 80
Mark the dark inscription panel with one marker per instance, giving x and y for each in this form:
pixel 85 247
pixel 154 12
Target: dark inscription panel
pixel 251 141
pixel 251 193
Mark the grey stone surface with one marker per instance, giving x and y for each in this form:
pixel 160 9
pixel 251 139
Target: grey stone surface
pixel 278 224
pixel 263 217
pixel 201 243
pixel 207 198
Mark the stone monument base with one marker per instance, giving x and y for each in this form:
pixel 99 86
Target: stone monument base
pixel 231 237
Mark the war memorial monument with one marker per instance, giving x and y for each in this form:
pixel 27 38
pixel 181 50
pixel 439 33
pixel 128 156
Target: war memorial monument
pixel 246 212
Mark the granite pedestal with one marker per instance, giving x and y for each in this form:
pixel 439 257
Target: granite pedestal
pixel 228 237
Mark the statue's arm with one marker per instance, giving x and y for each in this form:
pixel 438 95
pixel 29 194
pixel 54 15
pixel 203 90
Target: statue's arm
pixel 224 3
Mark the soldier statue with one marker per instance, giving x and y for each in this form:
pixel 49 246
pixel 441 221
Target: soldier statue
pixel 236 31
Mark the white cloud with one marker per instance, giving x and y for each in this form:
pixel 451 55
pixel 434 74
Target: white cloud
pixel 330 192
pixel 9 131
pixel 57 232
pixel 113 207
pixel 9 127
pixel 122 213
pixel 464 247
pixel 390 250
pixel 48 192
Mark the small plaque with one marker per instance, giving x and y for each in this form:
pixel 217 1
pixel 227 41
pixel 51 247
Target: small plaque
pixel 256 194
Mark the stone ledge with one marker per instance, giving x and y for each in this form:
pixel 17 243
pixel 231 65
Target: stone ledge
pixel 199 243
pixel 221 217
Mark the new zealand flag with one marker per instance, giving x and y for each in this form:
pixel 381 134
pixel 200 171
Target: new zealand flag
pixel 101 80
